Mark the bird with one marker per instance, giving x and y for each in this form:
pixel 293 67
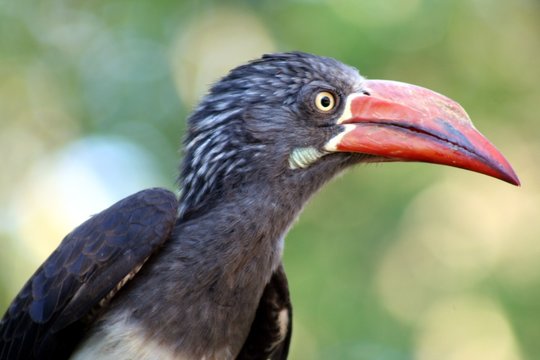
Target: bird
pixel 198 274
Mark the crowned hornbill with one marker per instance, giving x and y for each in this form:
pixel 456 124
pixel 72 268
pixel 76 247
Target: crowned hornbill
pixel 153 277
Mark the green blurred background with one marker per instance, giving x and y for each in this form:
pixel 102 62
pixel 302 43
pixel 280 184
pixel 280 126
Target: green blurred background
pixel 395 261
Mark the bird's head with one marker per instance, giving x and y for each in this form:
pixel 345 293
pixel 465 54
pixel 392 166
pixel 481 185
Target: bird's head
pixel 291 114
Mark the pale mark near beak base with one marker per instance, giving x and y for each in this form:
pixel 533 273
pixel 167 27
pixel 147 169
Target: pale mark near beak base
pixel 332 144
pixel 347 114
pixel 301 158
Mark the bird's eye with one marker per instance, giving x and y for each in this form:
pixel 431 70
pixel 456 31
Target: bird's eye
pixel 325 101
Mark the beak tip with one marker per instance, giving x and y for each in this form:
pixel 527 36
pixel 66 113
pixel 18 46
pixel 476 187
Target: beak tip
pixel 514 180
pixel 509 176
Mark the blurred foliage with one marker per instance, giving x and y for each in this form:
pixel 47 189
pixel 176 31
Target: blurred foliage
pixel 411 261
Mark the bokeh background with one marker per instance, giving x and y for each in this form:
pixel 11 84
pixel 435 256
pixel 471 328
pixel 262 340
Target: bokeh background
pixel 393 261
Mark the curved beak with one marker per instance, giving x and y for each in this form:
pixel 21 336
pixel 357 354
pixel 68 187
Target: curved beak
pixel 399 121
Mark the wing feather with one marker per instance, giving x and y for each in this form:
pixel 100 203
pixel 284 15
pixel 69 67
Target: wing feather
pixel 45 320
pixel 271 330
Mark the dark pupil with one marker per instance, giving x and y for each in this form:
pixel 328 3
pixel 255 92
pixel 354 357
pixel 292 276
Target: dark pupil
pixel 325 101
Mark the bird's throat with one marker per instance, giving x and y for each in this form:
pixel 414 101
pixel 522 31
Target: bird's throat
pixel 223 257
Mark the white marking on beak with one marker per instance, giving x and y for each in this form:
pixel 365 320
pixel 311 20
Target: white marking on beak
pixel 347 114
pixel 332 144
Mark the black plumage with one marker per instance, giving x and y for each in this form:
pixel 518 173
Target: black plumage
pixel 227 188
pixel 68 291
pixel 201 278
pixel 271 330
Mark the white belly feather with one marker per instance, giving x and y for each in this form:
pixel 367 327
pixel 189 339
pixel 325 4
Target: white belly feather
pixel 123 339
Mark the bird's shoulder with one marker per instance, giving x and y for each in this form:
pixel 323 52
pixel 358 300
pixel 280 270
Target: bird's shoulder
pixel 83 274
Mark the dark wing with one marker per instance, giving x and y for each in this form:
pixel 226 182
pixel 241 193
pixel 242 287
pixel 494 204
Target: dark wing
pixel 270 333
pixel 48 316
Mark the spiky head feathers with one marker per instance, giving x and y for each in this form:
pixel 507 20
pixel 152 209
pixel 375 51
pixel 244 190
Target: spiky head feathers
pixel 260 115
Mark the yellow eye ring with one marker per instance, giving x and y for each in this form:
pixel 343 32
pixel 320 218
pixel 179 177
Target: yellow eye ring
pixel 325 101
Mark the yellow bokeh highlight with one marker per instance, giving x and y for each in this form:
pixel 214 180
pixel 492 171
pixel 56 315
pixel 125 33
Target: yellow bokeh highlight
pixel 466 328
pixel 211 45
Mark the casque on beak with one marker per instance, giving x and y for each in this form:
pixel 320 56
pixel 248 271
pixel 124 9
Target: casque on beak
pixel 403 122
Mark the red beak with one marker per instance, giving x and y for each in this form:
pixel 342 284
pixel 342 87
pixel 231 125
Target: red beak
pixel 399 121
